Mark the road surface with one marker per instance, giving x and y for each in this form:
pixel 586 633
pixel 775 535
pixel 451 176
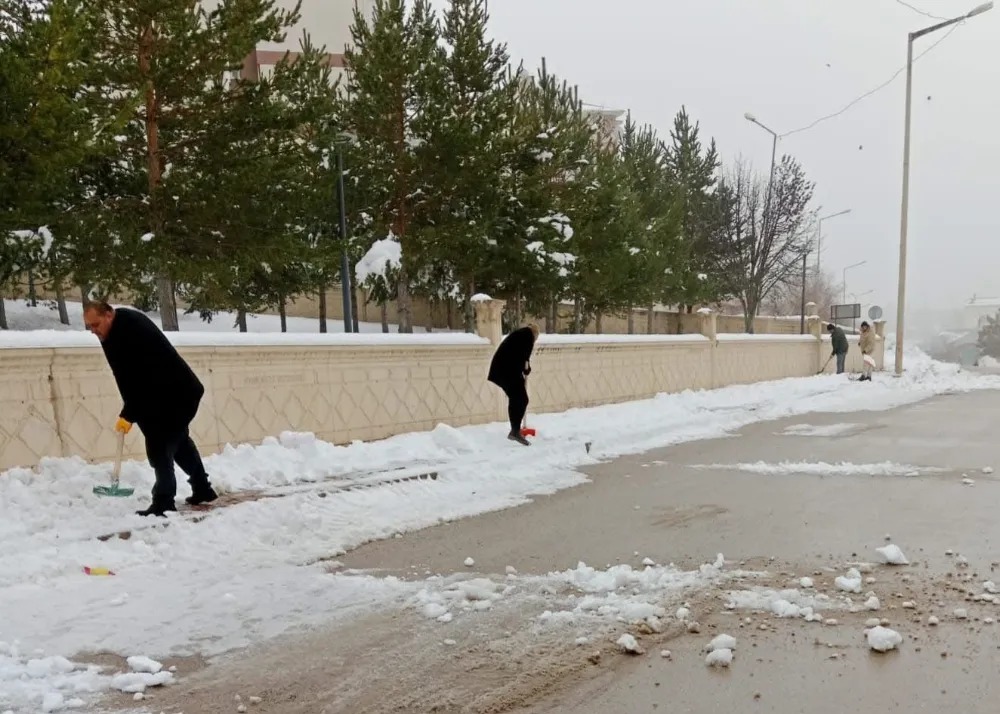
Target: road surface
pixel 683 505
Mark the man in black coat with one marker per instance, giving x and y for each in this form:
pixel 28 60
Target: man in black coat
pixel 160 393
pixel 510 367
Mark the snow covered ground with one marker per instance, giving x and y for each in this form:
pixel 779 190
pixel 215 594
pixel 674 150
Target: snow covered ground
pixel 21 316
pixel 253 570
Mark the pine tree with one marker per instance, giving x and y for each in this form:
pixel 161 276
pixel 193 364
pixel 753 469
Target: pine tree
pixel 658 261
pixel 394 71
pixel 292 129
pixel 602 280
pixel 472 149
pixel 46 132
pixel 695 170
pixel 552 142
pixel 168 74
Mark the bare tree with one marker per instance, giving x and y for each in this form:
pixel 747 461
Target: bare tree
pixel 763 236
pixel 786 298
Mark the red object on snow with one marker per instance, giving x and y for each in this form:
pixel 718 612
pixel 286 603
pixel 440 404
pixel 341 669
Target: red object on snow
pixel 526 431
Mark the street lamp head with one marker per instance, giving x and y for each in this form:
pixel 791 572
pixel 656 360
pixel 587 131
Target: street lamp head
pixel 980 9
pixel 750 117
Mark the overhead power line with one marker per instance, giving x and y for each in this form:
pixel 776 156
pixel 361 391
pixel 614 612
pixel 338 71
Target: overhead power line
pixel 919 11
pixel 877 89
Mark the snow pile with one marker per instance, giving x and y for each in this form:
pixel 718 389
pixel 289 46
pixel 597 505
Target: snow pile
pixel 789 603
pixel 826 431
pixel 882 639
pixel 382 259
pixel 54 683
pixel 850 583
pixel 582 597
pixel 623 594
pixel 440 596
pixel 886 468
pixel 144 665
pixel 629 645
pixel 892 555
pixel 720 642
pixel 719 658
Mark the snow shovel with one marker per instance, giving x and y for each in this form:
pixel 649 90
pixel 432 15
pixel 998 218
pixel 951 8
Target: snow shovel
pixel 825 364
pixel 114 490
pixel 525 429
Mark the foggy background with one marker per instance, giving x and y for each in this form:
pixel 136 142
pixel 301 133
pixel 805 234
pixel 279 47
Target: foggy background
pixel 790 62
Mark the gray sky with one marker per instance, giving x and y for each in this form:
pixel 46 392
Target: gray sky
pixel 722 58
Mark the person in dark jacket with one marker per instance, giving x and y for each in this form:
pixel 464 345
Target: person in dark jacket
pixel 839 341
pixel 160 393
pixel 509 369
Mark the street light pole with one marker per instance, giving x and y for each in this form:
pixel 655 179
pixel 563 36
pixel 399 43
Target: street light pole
pixel 819 237
pixel 850 267
pixel 857 299
pixel 905 201
pixel 774 154
pixel 802 307
pixel 345 263
pixel 819 250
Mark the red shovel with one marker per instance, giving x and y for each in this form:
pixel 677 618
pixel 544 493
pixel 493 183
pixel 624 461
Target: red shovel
pixel 525 429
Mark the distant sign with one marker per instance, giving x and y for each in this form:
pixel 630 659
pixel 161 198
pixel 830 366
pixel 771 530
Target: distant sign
pixel 845 312
pixel 874 313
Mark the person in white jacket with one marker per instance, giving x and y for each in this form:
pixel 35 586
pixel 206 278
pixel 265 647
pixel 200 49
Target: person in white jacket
pixel 867 344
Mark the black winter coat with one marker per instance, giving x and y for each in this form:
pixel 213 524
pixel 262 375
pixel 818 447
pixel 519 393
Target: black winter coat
pixel 509 363
pixel 158 388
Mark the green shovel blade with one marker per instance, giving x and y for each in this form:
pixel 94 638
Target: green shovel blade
pixel 114 491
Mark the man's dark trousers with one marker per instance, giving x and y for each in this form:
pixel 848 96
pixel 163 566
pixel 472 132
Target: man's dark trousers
pixel 166 446
pixel 517 404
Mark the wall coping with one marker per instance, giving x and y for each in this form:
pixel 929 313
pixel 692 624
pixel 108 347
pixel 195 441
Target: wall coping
pixel 552 339
pixel 739 337
pixel 51 339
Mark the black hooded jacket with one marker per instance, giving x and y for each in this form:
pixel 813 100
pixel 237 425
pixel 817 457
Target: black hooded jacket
pixel 509 363
pixel 159 391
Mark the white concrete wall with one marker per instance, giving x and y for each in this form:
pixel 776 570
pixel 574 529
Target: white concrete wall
pixel 58 397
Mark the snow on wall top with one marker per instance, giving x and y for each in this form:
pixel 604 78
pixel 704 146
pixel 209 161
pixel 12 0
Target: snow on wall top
pixel 41 339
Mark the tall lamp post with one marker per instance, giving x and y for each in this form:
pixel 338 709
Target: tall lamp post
pixel 774 153
pixel 904 209
pixel 850 267
pixel 819 251
pixel 345 263
pixel 344 138
pixel 857 298
pixel 819 236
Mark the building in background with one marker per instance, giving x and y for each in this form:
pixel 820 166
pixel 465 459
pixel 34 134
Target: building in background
pixel 977 310
pixel 328 24
pixel 608 123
